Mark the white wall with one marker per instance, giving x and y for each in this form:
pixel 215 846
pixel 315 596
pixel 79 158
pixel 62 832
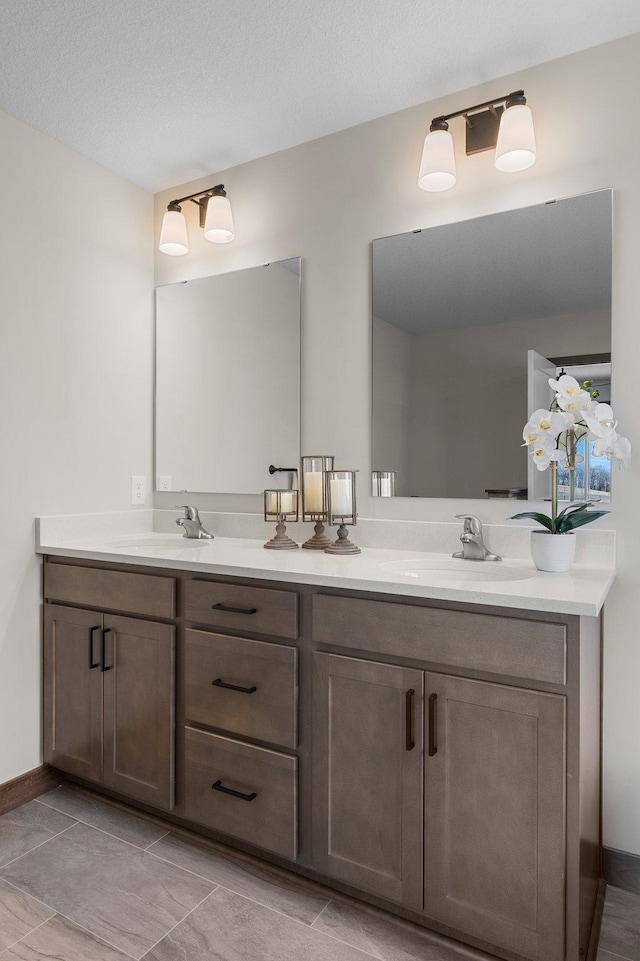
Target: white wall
pixel 76 277
pixel 328 199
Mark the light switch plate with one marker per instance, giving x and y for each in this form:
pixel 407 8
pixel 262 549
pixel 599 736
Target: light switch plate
pixel 138 489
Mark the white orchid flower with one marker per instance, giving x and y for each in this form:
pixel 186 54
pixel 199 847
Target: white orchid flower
pixel 543 455
pixel 571 397
pixel 600 421
pixel 543 427
pixel 615 447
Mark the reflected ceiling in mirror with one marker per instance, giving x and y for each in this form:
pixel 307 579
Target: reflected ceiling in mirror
pixel 464 315
pixel 228 379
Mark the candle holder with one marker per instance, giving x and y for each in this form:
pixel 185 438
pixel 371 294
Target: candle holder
pixel 383 483
pixel 283 506
pixel 341 509
pixel 314 498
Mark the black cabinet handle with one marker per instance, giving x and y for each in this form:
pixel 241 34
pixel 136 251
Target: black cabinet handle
pixel 234 687
pixel 433 730
pixel 103 647
pixel 234 610
pixel 408 726
pixel 219 786
pixel 92 631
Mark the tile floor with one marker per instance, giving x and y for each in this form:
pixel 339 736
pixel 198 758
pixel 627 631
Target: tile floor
pixel 81 880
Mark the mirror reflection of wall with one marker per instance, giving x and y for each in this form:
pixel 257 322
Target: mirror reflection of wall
pixel 457 311
pixel 228 379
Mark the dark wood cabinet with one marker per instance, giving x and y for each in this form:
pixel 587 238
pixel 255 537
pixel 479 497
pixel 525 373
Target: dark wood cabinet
pixel 109 701
pixel 139 713
pixel 73 691
pixel 440 760
pixel 494 814
pixel 367 789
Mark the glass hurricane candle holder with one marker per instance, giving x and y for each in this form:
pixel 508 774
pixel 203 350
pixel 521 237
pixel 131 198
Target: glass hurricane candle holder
pixel 383 483
pixel 281 506
pixel 314 498
pixel 341 509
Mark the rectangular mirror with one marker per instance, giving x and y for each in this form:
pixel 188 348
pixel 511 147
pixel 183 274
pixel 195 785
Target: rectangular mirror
pixel 228 379
pixel 470 320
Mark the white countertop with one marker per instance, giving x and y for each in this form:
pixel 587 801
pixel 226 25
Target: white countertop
pixel 581 591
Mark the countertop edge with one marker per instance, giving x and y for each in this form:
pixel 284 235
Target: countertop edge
pixel 439 592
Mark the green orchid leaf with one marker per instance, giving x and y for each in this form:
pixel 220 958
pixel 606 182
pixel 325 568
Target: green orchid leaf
pixel 578 520
pixel 533 516
pixel 573 509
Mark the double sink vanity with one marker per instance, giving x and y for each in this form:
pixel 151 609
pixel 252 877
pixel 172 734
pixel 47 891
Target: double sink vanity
pixel 415 730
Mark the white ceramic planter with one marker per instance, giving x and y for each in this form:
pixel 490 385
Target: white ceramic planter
pixel 553 552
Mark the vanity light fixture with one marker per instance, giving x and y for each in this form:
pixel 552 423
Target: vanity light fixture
pixel 215 218
pixel 505 123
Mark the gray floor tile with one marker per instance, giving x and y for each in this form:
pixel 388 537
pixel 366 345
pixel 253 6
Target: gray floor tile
pixel 607 956
pixel 99 814
pixel 61 940
pixel 620 932
pixel 25 827
pixel 382 937
pixel 227 927
pixel 19 914
pixel 114 890
pixel 282 895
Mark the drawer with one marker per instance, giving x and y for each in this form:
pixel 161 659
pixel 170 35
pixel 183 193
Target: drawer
pixel 251 609
pixel 242 686
pixel 110 589
pixel 255 793
pixel 535 650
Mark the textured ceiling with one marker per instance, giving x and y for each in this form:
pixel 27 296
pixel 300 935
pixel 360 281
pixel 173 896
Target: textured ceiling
pixel 165 91
pixel 541 261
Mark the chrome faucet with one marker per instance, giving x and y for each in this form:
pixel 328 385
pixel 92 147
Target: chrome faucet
pixel 473 546
pixel 192 524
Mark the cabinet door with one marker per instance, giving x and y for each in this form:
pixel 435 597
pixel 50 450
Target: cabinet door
pixel 73 691
pixel 367 798
pixel 495 813
pixel 139 710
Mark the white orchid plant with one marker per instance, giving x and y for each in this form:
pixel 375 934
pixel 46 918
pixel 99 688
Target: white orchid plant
pixel 552 436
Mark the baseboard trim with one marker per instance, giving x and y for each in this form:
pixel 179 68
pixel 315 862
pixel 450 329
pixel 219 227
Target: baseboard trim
pixel 596 923
pixel 621 869
pixel 28 786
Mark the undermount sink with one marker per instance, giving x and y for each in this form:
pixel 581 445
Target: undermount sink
pixel 142 545
pixel 456 571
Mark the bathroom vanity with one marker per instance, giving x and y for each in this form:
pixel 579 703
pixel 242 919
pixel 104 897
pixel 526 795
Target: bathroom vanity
pixel 436 757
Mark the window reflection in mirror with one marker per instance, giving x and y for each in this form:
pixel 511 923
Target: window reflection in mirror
pixel 470 321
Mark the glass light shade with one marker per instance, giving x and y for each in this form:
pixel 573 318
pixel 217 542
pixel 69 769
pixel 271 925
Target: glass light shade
pixel 173 236
pixel 516 146
pixel 438 166
pixel 218 225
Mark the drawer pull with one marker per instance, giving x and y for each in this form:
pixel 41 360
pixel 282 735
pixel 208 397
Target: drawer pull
pixel 92 631
pixel 234 610
pixel 219 786
pixel 433 731
pixel 409 736
pixel 234 687
pixel 103 647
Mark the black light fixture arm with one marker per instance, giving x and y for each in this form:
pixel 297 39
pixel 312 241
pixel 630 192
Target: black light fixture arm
pixel 512 98
pixel 201 198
